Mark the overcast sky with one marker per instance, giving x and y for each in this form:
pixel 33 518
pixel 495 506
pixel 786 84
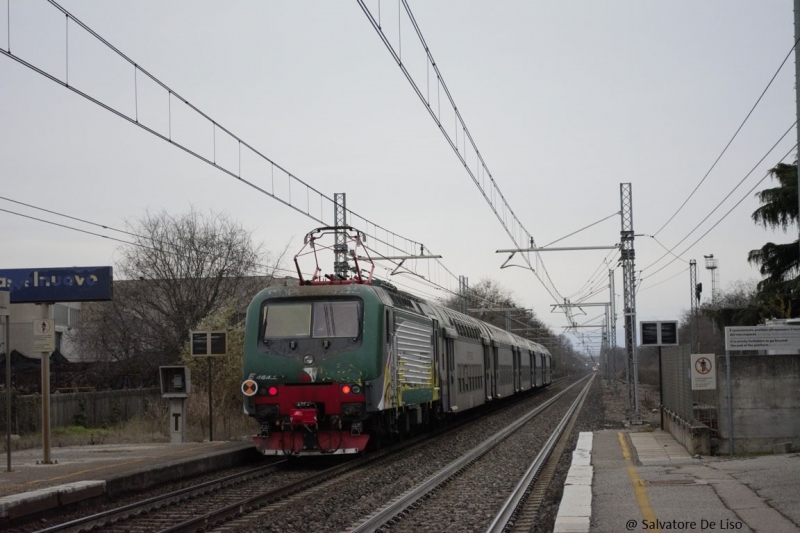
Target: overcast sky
pixel 564 100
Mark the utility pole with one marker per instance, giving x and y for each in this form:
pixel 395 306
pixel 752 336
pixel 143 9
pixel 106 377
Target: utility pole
pixel 797 86
pixel 613 323
pixel 627 256
pixel 712 264
pixel 605 351
pixel 695 299
pixel 463 290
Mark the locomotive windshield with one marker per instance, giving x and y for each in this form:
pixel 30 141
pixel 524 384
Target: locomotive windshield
pixel 313 319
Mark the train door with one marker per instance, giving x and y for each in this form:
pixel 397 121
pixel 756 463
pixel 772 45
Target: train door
pixel 497 372
pixel 448 386
pixel 515 351
pixel 548 378
pixel 527 369
pixel 487 368
pixel 436 354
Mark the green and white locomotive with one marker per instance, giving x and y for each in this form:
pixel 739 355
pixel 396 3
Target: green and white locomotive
pixel 334 362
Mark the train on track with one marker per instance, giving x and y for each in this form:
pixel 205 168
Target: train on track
pixel 339 360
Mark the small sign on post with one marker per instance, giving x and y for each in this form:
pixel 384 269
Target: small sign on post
pixel 209 343
pixel 44 335
pixel 704 372
pixel 662 333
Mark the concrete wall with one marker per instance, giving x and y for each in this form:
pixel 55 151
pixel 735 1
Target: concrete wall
pixel 766 402
pixel 693 435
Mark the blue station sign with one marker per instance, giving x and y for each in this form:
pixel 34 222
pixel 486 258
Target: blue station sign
pixel 43 285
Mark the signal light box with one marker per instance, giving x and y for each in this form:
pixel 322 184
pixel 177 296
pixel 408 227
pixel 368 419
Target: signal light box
pixel 209 343
pixel 176 381
pixel 661 333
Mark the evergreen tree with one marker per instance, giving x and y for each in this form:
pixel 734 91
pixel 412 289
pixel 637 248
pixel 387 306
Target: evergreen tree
pixel 779 291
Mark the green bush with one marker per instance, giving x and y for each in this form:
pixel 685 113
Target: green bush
pixel 81 417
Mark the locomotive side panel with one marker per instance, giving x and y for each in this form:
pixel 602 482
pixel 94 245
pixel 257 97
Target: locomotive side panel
pixel 414 362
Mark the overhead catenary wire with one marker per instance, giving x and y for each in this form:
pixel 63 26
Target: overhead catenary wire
pixel 405 245
pixel 582 229
pixel 549 333
pixel 596 275
pixel 95 234
pixel 791 128
pixel 107 227
pixel 732 138
pixel 641 281
pixel 747 194
pixel 494 195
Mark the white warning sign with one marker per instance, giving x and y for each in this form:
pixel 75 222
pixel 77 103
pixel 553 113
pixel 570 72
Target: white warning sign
pixel 44 335
pixel 762 338
pixel 704 372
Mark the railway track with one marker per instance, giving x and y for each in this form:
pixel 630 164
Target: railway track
pixel 232 502
pixel 399 514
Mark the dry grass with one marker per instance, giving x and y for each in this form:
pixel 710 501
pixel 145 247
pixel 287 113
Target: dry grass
pixel 151 426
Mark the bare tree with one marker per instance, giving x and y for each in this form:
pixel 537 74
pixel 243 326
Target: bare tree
pixel 178 270
pixel 739 305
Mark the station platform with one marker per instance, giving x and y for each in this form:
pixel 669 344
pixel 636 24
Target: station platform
pixel 629 481
pixel 106 470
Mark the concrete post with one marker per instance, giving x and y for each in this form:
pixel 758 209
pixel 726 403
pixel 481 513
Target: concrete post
pixel 177 421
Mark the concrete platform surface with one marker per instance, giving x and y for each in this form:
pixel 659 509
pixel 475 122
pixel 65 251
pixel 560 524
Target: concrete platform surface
pixel 82 472
pixel 648 482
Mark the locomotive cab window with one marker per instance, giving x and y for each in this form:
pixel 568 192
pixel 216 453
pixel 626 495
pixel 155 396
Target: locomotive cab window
pixel 286 320
pixel 336 319
pixel 328 319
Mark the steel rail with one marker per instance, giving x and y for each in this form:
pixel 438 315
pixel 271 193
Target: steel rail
pixel 99 519
pixel 504 519
pixel 409 498
pixel 238 510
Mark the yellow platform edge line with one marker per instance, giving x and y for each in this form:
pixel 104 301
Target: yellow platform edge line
pixel 638 485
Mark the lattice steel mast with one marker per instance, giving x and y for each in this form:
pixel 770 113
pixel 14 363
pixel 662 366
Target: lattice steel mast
pixel 627 255
pixel 340 265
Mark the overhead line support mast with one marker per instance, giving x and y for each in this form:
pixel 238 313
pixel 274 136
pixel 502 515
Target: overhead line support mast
pixel 627 256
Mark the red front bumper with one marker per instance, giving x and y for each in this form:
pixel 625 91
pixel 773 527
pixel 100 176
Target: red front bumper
pixel 326 443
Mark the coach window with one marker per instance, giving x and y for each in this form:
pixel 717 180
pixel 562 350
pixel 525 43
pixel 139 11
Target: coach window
pixel 336 319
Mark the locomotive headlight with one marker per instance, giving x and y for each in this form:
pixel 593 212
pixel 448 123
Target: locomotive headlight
pixel 356 389
pixel 308 359
pixel 346 389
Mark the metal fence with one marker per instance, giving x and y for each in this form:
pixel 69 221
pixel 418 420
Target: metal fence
pixel 676 381
pixel 90 409
pixel 678 396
